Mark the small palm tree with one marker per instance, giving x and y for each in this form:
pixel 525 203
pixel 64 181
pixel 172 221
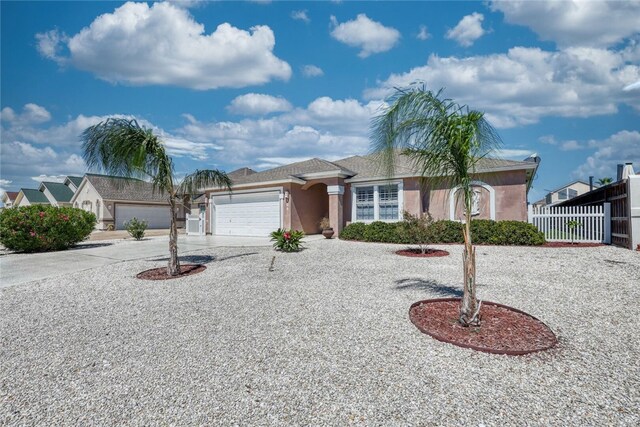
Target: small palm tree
pixel 124 148
pixel 445 140
pixel 605 181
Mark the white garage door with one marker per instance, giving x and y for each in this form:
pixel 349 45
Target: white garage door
pixel 156 216
pixel 255 214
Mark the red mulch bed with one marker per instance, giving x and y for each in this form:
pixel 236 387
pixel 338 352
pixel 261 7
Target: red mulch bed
pixel 570 245
pixel 502 330
pixel 161 273
pixel 418 253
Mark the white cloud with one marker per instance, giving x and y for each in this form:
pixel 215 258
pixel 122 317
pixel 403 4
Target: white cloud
pixel 512 153
pixel 300 15
pixel 621 147
pixel 423 33
pixel 468 30
pixel 49 178
pixel 548 139
pixel 326 128
pixel 571 145
pixel 49 45
pixel 258 104
pixel 312 71
pixel 163 45
pixel 31 114
pixel 526 84
pixel 575 22
pixel 370 36
pixel 632 86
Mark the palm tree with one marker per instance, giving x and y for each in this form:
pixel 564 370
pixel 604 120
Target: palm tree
pixel 122 147
pixel 445 141
pixel 605 181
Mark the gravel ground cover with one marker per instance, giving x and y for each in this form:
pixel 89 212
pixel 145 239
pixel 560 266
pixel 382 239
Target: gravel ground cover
pixel 323 339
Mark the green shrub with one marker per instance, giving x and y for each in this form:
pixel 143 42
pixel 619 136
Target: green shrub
pixel 445 231
pixel 516 233
pixel 483 231
pixel 383 232
pixel 39 228
pixel 414 230
pixel 287 240
pixel 136 227
pixel 353 231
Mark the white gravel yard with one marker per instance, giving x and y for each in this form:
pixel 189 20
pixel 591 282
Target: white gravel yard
pixel 324 339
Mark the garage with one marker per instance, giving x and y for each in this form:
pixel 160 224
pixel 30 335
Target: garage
pixel 156 216
pixel 251 214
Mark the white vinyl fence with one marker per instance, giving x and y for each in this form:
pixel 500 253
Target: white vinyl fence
pixel 589 224
pixel 195 225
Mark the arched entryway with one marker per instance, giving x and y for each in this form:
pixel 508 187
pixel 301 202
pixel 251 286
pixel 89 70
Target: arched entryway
pixel 314 205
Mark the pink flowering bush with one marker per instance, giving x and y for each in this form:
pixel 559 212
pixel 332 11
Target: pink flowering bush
pixel 40 228
pixel 287 240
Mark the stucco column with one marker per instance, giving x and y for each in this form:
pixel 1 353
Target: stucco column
pixel 336 198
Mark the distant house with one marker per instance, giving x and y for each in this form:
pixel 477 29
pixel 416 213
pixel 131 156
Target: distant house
pixel 57 193
pixel 73 182
pixel 9 198
pixel 566 192
pixel 115 200
pixel 30 196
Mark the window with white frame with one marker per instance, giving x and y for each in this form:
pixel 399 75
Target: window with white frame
pixel 381 202
pixel 388 200
pixel 365 210
pixel 572 193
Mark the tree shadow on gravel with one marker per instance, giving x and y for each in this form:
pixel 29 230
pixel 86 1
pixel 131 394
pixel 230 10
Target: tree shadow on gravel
pixel 204 259
pixel 431 286
pixel 88 246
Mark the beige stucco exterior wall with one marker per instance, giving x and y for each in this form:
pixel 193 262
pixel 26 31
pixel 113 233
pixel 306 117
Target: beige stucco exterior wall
pixel 510 195
pixel 87 193
pixel 308 206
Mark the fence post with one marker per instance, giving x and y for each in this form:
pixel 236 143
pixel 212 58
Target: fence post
pixel 607 223
pixel 530 213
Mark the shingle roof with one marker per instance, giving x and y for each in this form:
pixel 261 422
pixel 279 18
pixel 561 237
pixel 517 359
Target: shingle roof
pixel 369 166
pixel 76 180
pixel 118 188
pixel 292 170
pixel 241 172
pixel 358 167
pixel 11 195
pixel 59 191
pixel 34 196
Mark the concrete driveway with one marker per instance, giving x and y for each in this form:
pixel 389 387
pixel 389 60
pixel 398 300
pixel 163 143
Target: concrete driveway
pixel 21 268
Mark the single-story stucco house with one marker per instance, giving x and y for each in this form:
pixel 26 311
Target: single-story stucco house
pixel 353 189
pixel 9 198
pixel 57 193
pixel 30 196
pixel 115 200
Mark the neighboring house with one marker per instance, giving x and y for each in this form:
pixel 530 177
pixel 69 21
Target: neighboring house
pixel 115 200
pixel 30 196
pixel 73 182
pixel 566 192
pixel 353 189
pixel 57 193
pixel 9 198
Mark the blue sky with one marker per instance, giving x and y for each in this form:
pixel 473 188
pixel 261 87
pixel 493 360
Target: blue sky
pixel 259 84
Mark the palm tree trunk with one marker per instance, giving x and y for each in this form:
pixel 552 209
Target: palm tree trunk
pixel 469 308
pixel 173 268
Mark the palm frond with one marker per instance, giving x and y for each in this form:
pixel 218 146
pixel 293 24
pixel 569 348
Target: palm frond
pixel 201 179
pixel 122 147
pixel 443 139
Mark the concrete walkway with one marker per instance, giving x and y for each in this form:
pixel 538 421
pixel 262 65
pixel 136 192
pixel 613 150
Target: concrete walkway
pixel 21 268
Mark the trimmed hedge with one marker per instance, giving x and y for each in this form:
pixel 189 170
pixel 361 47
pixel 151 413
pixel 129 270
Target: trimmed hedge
pixel 483 231
pixel 40 228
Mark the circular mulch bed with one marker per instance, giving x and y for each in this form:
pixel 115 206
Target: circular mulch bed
pixel 161 273
pixel 502 330
pixel 570 245
pixel 418 253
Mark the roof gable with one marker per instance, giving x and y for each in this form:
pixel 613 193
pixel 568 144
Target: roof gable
pixel 34 196
pixel 60 192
